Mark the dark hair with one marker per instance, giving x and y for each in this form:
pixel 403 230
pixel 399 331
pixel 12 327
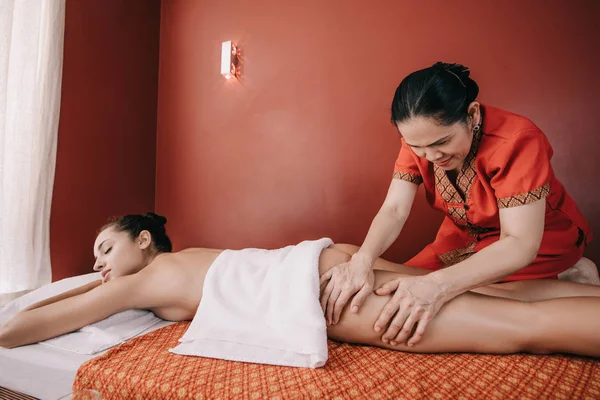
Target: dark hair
pixel 134 224
pixel 442 91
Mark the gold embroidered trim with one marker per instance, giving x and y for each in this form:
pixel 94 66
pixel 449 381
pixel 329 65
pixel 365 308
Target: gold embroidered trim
pixel 464 181
pixel 468 172
pixel 407 176
pixel 458 215
pixel 445 187
pixel 455 256
pixel 475 230
pixel 524 198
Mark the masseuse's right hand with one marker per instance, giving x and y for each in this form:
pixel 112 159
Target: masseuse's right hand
pixel 353 278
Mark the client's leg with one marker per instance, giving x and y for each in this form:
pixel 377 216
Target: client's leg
pixel 539 289
pixel 483 324
pixel 532 290
pixel 584 271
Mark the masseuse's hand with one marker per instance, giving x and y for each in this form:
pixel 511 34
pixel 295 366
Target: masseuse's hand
pixel 415 302
pixel 354 278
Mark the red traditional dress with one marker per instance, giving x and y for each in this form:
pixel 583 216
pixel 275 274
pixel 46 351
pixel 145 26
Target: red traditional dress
pixel 508 166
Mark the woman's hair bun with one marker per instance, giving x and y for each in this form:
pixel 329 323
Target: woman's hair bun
pixel 155 219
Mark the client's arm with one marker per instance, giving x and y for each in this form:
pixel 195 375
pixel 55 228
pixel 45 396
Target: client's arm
pixel 75 311
pixel 70 293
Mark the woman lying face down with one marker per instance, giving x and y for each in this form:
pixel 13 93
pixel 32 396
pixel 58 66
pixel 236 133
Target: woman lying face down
pixel 139 270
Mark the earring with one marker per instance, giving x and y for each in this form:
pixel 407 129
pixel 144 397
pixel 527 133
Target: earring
pixel 476 128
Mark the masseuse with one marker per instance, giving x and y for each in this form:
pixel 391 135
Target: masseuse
pixel 507 217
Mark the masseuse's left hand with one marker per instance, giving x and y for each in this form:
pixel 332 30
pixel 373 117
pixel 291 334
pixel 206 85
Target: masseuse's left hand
pixel 415 302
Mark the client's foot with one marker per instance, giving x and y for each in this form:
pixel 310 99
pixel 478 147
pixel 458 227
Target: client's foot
pixel 584 271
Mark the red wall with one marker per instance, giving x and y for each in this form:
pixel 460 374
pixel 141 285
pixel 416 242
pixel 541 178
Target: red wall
pixel 106 155
pixel 303 147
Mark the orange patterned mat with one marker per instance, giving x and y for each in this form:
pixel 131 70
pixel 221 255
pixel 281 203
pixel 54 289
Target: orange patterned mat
pixel 144 369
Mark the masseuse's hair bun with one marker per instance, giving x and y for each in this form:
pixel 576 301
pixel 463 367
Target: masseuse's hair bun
pixel 443 91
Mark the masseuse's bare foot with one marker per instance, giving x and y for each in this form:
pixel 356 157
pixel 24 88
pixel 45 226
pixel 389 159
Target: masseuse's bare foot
pixel 584 271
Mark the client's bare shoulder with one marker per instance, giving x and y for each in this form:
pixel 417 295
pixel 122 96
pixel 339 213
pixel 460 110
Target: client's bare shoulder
pixel 194 261
pixel 176 281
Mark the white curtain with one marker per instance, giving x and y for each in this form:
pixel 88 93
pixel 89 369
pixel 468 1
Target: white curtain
pixel 31 54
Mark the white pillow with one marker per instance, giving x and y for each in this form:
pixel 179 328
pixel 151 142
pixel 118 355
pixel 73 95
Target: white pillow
pixel 46 291
pixel 93 338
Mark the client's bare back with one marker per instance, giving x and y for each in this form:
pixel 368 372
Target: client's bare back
pixel 178 281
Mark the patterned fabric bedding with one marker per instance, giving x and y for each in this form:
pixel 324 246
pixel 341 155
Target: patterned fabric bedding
pixel 144 369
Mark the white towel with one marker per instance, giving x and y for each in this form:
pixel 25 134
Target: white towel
pixel 262 306
pixel 90 339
